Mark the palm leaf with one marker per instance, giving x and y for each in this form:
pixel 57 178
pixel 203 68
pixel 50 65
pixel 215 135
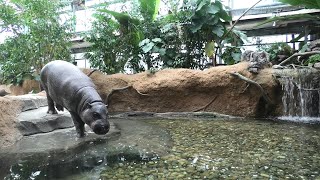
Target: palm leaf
pixel 123 18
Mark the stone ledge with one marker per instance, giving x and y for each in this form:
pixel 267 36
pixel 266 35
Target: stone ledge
pixel 59 140
pixel 38 121
pixel 30 101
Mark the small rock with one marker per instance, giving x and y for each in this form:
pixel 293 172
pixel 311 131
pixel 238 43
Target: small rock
pixel 316 65
pixel 277 67
pixel 3 92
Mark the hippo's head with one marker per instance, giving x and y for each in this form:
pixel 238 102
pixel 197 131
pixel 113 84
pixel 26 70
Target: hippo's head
pixel 95 115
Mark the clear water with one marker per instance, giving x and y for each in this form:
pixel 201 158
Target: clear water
pixel 220 149
pixel 198 149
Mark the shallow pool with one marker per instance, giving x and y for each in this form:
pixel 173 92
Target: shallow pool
pixel 194 149
pixel 219 149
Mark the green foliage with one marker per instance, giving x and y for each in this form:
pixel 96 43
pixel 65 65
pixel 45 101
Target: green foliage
pixel 125 34
pixel 184 38
pixel 104 38
pixel 38 38
pixel 231 55
pixel 313 59
pixel 277 49
pixel 149 9
pixel 209 18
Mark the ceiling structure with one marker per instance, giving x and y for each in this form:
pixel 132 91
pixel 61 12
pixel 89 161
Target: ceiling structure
pixel 249 23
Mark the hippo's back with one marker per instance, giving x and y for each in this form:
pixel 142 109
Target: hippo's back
pixel 62 80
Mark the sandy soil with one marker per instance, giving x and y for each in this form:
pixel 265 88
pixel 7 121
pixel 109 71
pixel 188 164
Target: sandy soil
pixel 9 110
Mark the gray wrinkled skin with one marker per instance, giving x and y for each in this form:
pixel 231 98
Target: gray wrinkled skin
pixel 68 87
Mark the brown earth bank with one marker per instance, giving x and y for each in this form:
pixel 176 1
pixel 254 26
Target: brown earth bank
pixel 9 109
pixel 185 90
pixel 28 86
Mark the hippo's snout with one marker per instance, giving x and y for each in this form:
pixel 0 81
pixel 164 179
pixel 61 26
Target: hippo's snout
pixel 100 127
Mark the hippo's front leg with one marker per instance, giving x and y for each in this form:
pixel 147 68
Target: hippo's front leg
pixel 78 124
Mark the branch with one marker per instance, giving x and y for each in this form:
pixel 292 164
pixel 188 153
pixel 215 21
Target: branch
pixel 234 24
pixel 264 94
pixel 122 89
pixel 299 54
pixel 91 72
pixel 204 107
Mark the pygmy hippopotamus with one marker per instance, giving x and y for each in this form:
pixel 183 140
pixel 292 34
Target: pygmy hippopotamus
pixel 68 87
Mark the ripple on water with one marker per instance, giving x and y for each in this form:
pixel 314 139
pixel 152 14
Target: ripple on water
pixel 304 119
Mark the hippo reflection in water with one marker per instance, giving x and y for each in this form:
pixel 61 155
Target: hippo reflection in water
pixel 68 87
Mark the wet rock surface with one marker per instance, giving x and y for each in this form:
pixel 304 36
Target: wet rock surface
pixel 59 154
pixel 58 140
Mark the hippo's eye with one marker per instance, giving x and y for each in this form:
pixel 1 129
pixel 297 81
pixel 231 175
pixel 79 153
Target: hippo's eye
pixel 96 115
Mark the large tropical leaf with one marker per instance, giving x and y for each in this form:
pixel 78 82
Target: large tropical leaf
pixel 122 18
pixel 149 8
pixel 209 49
pixel 128 25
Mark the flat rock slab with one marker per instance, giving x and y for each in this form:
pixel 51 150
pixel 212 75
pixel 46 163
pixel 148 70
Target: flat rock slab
pixel 30 101
pixel 58 140
pixel 38 121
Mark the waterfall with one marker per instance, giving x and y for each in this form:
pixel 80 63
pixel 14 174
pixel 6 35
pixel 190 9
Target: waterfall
pixel 301 94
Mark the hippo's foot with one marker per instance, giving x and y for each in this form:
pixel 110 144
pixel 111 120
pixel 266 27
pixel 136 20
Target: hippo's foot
pixel 81 135
pixel 50 111
pixel 59 107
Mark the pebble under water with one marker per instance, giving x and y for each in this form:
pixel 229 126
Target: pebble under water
pixel 229 149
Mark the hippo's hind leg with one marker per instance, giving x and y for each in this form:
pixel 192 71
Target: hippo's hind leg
pixel 51 109
pixel 78 124
pixel 59 107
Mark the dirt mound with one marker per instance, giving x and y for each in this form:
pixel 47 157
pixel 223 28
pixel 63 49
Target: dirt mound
pixel 181 90
pixel 9 109
pixel 26 87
